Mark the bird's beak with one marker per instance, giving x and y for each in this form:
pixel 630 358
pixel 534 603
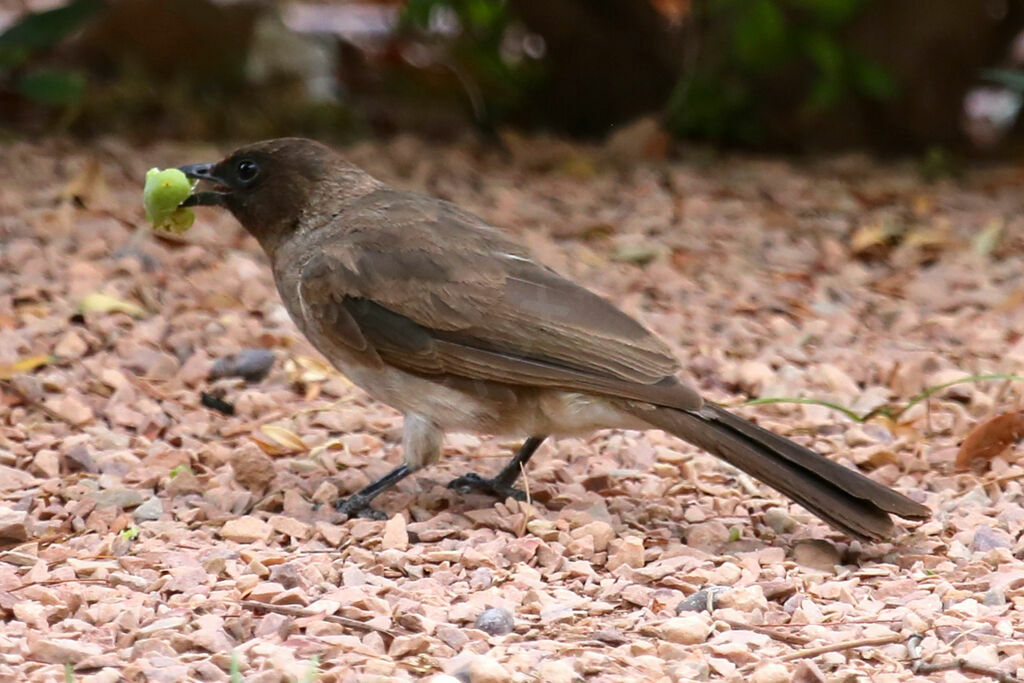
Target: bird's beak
pixel 205 172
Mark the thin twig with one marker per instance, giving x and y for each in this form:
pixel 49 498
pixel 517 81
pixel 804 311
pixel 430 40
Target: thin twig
pixel 526 483
pixel 37 404
pixel 853 622
pixel 888 411
pixel 57 582
pixel 990 482
pixel 292 611
pixel 919 667
pixel 789 638
pixel 805 401
pixel 846 645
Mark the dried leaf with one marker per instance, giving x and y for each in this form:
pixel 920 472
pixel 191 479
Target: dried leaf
pixel 991 438
pixel 642 253
pixel 304 369
pixel 874 236
pixel 930 237
pixel 97 302
pixel 282 441
pixel 985 242
pixel 9 370
pixel 88 185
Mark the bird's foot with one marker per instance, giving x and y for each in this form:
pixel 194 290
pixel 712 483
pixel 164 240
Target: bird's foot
pixel 358 506
pixel 474 483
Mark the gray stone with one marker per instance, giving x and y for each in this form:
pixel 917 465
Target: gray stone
pixel 780 520
pixel 150 510
pixel 496 621
pixel 122 498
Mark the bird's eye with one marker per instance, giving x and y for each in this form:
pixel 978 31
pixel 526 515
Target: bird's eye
pixel 247 170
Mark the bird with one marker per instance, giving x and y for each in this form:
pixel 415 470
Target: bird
pixel 448 319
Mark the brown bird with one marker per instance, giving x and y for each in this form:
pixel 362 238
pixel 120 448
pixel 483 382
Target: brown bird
pixel 437 313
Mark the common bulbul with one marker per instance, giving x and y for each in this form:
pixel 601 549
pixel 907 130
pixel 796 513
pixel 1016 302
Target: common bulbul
pixel 441 315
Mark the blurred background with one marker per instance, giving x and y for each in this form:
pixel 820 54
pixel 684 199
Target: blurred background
pixel 929 77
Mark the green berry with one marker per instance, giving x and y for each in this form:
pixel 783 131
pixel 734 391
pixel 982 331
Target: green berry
pixel 162 194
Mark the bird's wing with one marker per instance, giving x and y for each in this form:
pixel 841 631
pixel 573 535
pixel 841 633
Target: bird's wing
pixel 444 294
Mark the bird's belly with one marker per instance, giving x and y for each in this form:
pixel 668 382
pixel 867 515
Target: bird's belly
pixel 487 407
pixel 468 405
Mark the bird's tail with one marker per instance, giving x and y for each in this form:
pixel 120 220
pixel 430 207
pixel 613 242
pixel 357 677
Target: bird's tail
pixel 846 499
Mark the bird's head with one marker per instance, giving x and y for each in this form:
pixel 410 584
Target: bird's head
pixel 277 187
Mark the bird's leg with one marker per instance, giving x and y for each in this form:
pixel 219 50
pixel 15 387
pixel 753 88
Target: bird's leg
pixel 501 485
pixel 358 504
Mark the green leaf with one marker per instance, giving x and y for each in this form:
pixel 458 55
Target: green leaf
pixel 483 13
pixel 235 668
pixel 759 36
pixel 831 12
pixel 38 31
pixel 180 469
pixel 417 13
pixel 871 79
pixel 53 87
pixel 828 56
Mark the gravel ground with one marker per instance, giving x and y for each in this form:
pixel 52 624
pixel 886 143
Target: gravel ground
pixel 148 535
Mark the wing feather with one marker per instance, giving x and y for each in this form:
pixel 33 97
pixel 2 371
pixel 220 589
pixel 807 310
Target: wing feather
pixel 482 309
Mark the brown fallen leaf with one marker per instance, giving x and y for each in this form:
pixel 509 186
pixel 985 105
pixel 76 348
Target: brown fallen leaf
pixel 991 438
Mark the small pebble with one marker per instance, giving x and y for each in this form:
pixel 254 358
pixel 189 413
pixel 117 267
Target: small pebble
pixel 122 498
pixel 747 599
pixel 808 672
pixel 688 629
pixel 496 621
pixel 150 510
pixel 630 552
pixel 816 553
pixel 486 670
pixel 556 671
pixel 78 459
pixel 246 530
pixel 14 525
pixel 986 538
pixel 994 597
pixel 395 535
pixel 770 673
pixel 780 521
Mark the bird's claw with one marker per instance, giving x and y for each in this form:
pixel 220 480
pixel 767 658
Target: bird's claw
pixel 474 483
pixel 357 506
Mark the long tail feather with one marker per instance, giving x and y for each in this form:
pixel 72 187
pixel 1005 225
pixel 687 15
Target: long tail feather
pixel 846 499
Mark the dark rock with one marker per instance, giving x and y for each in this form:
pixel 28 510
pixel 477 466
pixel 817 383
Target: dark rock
pixel 704 599
pixel 252 365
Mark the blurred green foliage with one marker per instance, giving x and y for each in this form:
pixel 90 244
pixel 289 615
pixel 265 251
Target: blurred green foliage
pixel 751 46
pixel 35 35
pixel 482 44
pixel 90 66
